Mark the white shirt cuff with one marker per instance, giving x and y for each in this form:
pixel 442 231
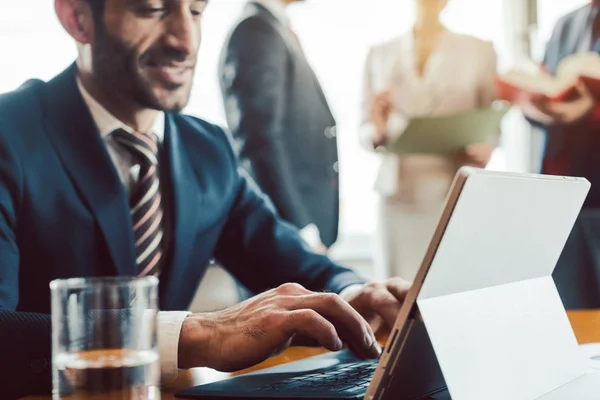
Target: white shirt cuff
pixel 349 292
pixel 169 328
pixel 311 235
pixel 396 125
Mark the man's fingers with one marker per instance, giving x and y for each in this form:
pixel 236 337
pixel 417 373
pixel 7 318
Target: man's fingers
pixel 398 287
pixel 291 289
pixel 305 341
pixel 351 327
pixel 386 305
pixel 310 323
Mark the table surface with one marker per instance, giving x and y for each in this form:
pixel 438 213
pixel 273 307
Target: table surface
pixel 586 325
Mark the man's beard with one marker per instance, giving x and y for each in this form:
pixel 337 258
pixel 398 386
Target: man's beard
pixel 116 67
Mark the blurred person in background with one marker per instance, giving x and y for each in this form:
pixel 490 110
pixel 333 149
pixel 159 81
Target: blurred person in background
pixel 281 122
pixel 572 131
pixel 427 71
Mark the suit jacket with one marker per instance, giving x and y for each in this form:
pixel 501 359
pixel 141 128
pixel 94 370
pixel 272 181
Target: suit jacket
pixel 281 122
pixel 581 142
pixel 577 273
pixel 64 213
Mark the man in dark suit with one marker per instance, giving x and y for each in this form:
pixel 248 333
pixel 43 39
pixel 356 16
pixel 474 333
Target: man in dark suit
pixel 280 120
pixel 572 131
pixel 101 176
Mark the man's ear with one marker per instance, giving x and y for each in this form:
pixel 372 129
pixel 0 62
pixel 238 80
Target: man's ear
pixel 77 19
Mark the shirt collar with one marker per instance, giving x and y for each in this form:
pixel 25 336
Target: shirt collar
pixel 108 123
pixel 277 8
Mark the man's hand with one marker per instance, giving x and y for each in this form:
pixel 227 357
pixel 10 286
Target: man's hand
pixel 320 248
pixel 254 330
pixel 551 112
pixel 381 107
pixel 380 302
pixel 475 155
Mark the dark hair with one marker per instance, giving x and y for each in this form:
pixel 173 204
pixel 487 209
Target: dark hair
pixel 97 7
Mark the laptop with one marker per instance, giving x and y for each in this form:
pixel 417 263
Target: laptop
pixel 483 319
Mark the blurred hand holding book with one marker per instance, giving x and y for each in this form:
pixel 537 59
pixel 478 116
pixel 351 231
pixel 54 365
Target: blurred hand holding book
pixel 517 86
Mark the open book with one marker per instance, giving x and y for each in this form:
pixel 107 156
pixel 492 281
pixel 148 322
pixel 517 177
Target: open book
pixel 516 85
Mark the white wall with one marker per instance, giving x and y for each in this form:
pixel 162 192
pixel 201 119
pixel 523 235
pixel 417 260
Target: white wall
pixel 32 41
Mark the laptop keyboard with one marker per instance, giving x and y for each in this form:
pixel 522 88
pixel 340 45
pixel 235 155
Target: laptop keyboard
pixel 350 378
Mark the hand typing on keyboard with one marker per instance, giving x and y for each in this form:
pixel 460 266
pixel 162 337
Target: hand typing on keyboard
pixel 380 302
pixel 264 325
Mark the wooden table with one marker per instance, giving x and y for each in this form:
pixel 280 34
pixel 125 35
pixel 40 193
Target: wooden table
pixel 586 325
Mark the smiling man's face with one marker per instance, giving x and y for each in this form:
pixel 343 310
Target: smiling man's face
pixel 145 51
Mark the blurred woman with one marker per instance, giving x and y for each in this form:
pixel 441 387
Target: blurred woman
pixel 428 71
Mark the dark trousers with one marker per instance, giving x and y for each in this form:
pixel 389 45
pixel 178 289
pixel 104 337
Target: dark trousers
pixel 577 273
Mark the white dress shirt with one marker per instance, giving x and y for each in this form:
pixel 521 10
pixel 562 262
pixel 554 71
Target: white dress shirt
pixel 169 322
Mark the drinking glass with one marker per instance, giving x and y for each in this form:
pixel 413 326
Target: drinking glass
pixel 104 342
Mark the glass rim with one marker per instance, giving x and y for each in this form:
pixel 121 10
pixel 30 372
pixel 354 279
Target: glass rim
pixel 104 281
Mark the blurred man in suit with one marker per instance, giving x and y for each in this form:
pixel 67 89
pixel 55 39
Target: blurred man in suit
pixel 572 130
pixel 281 121
pixel 101 175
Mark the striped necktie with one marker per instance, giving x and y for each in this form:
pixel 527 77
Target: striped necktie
pixel 145 201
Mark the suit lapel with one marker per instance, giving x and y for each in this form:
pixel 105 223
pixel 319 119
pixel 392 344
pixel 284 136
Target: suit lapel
pixel 84 156
pixel 184 186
